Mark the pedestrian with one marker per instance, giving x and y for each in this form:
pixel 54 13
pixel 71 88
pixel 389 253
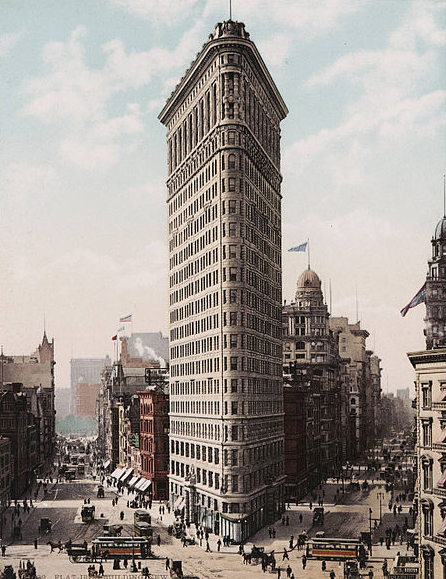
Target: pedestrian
pixel 287 521
pixel 285 555
pixel 158 540
pixel 208 548
pixel 291 542
pixel 270 532
pixel 288 571
pixel 218 545
pixel 279 572
pixel 300 518
pixel 311 505
pixel 274 533
pixel 3 550
pixel 35 543
pixel 324 565
pixel 101 570
pixel 371 574
pixel 121 515
pixel 167 563
pixel 304 562
pixel 283 520
pixel 332 574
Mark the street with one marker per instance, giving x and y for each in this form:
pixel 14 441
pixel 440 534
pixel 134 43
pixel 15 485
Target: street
pixel 347 516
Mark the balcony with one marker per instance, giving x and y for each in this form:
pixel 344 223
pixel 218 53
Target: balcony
pixel 439 405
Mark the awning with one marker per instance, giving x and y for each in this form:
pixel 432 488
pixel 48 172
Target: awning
pixel 442 480
pixel 179 504
pixel 145 485
pixel 117 473
pixel 133 481
pixel 442 530
pixel 106 464
pixel 125 475
pixel 442 396
pixel 139 484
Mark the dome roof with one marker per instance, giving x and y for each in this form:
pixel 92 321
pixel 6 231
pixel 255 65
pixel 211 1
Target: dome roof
pixel 308 279
pixel 440 230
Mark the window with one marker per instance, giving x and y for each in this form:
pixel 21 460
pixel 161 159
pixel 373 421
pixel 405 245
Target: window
pixel 233 341
pixel 232 229
pixel 427 473
pixel 234 362
pixel 232 202
pixel 426 390
pixel 232 274
pixel 427 433
pixel 234 382
pixel 234 432
pixel 231 137
pixel 232 318
pixel 234 407
pixel 231 161
pixel 428 519
pixel 234 457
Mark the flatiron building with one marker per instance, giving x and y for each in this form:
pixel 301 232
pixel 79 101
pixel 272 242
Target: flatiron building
pixel 224 237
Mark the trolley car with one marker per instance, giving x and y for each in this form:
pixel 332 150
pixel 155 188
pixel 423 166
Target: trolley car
pixel 121 547
pixel 335 549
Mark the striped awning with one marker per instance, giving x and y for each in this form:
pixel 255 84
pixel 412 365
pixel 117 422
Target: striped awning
pixel 179 503
pixel 442 480
pixel 146 484
pixel 139 484
pixel 117 473
pixel 125 475
pixel 133 481
pixel 106 464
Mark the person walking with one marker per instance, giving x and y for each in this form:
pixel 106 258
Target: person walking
pixel 218 545
pixel 3 549
pixel 304 562
pixel 285 555
pixel 208 548
pixel 35 543
pixel 101 570
pixel 167 563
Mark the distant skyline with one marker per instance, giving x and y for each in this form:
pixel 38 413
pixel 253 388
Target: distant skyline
pixel 83 169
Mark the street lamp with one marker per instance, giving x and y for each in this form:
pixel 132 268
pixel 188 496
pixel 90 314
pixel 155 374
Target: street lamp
pixel 370 527
pixel 380 496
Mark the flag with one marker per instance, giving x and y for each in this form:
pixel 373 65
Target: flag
pixel 115 337
pixel 121 329
pixel 419 298
pixel 126 319
pixel 301 247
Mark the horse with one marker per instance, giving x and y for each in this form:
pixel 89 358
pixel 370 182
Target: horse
pixel 57 545
pixel 247 558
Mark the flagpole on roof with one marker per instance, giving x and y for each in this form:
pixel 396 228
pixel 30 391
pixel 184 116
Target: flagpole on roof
pixel 308 245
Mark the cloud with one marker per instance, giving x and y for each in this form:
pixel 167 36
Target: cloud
pixel 306 15
pixel 89 105
pixel 389 102
pixel 276 49
pixel 21 181
pixel 8 41
pixel 167 11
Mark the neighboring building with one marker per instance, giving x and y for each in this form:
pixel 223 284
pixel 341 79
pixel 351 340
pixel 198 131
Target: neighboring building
pixel 435 329
pixel 35 374
pixel 364 382
pixel 224 237
pixel 403 394
pixel 430 404
pixel 86 396
pixel 154 439
pixel 311 361
pixel 6 470
pixel 295 395
pixel 14 426
pixel 85 371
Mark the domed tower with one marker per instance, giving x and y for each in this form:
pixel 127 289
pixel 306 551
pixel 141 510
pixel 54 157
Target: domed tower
pixel 435 319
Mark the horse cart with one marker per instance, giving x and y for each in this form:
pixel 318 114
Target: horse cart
pixel 87 513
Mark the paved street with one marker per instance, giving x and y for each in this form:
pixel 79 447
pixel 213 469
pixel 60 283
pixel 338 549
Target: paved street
pixel 63 501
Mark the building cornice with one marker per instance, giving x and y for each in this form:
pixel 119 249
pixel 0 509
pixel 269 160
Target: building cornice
pixel 427 356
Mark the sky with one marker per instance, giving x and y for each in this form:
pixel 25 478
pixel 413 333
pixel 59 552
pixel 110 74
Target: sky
pixel 82 159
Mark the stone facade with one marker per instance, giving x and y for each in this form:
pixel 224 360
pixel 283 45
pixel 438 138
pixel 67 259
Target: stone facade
pixel 435 329
pixel 14 426
pixel 224 237
pixel 430 384
pixel 311 361
pixel 5 477
pixel 86 396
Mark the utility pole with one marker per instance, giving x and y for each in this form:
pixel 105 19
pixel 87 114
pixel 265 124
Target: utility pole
pixel 370 527
pixel 380 496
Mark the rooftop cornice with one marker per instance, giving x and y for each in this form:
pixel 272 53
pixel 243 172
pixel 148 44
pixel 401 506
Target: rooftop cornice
pixel 225 33
pixel 427 356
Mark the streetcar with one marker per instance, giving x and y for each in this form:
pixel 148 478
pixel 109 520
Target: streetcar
pixel 335 549
pixel 121 547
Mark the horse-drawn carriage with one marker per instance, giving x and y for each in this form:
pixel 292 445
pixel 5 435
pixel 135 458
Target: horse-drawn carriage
pixel 318 516
pixel 258 554
pixel 100 493
pixel 112 530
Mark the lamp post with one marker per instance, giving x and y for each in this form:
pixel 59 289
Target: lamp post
pixel 380 496
pixel 370 528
